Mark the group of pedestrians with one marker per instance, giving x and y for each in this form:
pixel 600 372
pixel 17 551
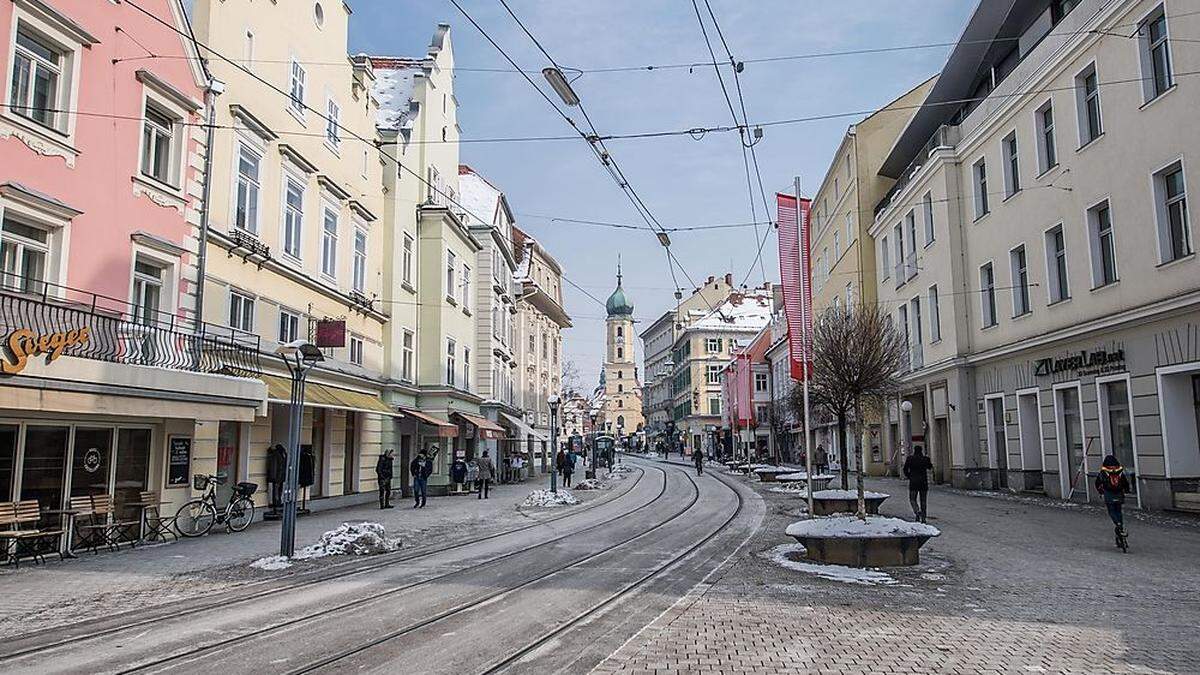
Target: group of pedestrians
pixel 564 464
pixel 420 468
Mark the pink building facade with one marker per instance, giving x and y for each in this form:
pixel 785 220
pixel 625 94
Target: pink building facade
pixel 109 385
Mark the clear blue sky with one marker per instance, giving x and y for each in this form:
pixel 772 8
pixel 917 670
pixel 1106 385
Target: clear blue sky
pixel 683 181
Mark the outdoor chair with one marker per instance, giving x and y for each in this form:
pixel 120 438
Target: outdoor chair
pixel 100 529
pixel 155 525
pixel 18 537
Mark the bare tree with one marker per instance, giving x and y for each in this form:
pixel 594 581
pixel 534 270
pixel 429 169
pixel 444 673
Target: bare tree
pixel 571 382
pixel 858 356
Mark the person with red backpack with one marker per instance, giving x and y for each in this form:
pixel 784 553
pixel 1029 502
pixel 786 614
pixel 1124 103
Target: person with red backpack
pixel 1113 485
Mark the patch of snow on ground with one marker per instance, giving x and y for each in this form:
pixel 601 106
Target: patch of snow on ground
pixel 850 526
pixel 801 476
pixel 590 484
pixel 546 498
pixel 847 494
pixel 350 539
pixel 784 555
pixel 272 563
pixel 622 468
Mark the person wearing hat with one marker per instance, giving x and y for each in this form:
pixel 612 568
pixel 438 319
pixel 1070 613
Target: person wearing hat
pixel 383 474
pixel 420 468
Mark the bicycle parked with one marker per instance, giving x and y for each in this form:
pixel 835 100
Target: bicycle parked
pixel 197 517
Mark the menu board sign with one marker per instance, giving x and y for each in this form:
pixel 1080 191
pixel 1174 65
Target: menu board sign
pixel 179 460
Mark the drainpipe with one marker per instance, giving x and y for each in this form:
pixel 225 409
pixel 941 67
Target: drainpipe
pixel 214 89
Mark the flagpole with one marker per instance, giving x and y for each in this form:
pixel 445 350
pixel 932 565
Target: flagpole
pixel 805 311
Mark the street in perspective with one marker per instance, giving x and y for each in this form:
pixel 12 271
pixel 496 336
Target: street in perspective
pixel 518 336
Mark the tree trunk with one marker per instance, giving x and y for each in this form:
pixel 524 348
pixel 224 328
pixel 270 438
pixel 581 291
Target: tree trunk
pixel 860 460
pixel 843 451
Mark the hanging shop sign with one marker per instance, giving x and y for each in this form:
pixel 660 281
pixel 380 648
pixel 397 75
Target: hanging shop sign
pixel 1094 362
pixel 331 333
pixel 24 344
pixel 179 460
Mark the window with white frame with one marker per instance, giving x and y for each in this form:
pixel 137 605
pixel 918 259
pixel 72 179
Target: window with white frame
pixel 451 361
pixel 918 331
pixel 1056 264
pixel 910 262
pixel 898 239
pixel 927 212
pixel 333 115
pixel 356 350
pixel 407 259
pixel 1019 266
pixel 24 255
pixel 1157 77
pixel 467 384
pixel 296 91
pixel 760 382
pixel 407 354
pixel 158 145
pixel 451 268
pixel 837 245
pixel 241 312
pixel 935 315
pixel 36 91
pixel 712 374
pixel 1103 245
pixel 1174 230
pixel 714 405
pixel 359 275
pixel 712 345
pixel 987 295
pixel 979 174
pixel 293 215
pixel 289 326
pixel 1012 165
pixel 149 278
pixel 248 190
pixel 849 294
pixel 1087 97
pixel 885 264
pixel 1047 146
pixel 850 233
pixel 465 286
pixel 329 238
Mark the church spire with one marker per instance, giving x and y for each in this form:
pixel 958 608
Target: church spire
pixel 618 270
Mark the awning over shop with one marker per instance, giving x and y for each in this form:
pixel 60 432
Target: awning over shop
pixel 279 390
pixel 523 430
pixel 487 428
pixel 443 428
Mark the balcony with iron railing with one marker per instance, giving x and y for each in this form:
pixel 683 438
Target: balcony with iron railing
pixel 39 316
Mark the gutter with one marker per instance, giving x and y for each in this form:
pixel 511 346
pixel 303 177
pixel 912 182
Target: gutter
pixel 215 88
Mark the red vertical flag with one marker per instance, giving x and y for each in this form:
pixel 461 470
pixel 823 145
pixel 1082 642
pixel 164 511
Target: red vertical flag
pixel 795 271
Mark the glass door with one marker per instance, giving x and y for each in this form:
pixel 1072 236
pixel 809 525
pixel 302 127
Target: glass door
pixel 350 453
pixel 228 456
pixel 1120 428
pixel 45 465
pixel 91 461
pixel 999 440
pixel 132 474
pixel 1074 474
pixel 9 433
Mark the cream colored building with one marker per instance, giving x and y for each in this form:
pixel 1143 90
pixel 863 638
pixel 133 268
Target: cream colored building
pixel 1038 250
pixel 658 342
pixel 622 392
pixel 541 319
pixel 294 233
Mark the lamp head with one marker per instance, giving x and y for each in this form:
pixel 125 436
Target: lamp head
pixel 302 350
pixel 906 406
pixel 554 402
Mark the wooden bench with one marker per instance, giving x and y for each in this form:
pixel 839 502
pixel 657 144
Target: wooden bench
pixel 96 526
pixel 18 530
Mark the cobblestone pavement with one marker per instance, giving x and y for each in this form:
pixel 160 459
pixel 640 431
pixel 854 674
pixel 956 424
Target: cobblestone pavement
pixel 38 597
pixel 1012 586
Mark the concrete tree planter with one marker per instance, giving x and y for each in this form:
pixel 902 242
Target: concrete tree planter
pixel 877 542
pixel 830 502
pixel 742 467
pixel 819 481
pixel 771 474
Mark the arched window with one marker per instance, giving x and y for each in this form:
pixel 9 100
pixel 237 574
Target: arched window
pixel 620 421
pixel 620 375
pixel 620 388
pixel 620 331
pixel 620 353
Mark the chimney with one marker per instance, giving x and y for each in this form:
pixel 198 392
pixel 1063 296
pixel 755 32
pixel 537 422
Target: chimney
pixel 728 278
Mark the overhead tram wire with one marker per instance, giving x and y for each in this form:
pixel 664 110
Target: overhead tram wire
pixel 337 123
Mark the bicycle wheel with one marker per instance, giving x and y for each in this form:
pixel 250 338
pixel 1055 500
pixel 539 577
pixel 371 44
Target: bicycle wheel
pixel 241 514
pixel 195 518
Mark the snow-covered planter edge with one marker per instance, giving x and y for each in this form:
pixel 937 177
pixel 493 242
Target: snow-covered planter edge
pixel 876 542
pixel 850 527
pixel 848 494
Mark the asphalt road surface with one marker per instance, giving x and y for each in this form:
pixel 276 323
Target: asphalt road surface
pixel 556 597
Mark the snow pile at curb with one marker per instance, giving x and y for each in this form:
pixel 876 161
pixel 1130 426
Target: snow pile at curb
pixel 782 555
pixel 621 468
pixel 350 539
pixel 546 498
pixel 590 484
pixel 791 489
pixel 852 527
pixel 272 563
pixel 801 476
pixel 847 494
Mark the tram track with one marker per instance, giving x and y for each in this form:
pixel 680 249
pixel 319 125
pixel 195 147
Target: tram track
pixel 78 633
pixel 612 598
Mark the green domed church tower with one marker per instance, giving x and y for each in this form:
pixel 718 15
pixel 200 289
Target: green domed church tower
pixel 622 392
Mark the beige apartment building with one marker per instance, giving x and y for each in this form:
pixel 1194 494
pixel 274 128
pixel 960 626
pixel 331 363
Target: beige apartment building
pixel 843 255
pixel 1039 252
pixel 294 233
pixel 658 343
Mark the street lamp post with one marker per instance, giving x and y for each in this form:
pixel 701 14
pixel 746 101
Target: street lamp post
pixel 299 356
pixel 905 430
pixel 554 403
pixel 593 416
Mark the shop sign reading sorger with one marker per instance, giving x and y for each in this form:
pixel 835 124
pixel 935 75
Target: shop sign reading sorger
pixel 1083 363
pixel 24 344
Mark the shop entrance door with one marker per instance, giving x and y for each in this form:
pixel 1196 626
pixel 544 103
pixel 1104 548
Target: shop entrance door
pixel 91 462
pixel 318 451
pixel 941 464
pixel 350 455
pixel 1074 473
pixel 43 472
pixel 999 433
pixel 131 475
pixel 228 456
pixel 9 433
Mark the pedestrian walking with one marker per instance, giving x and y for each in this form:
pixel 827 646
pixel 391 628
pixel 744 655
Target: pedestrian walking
pixel 487 472
pixel 698 458
pixel 560 461
pixel 420 468
pixel 822 458
pixel 568 467
pixel 916 470
pixel 383 474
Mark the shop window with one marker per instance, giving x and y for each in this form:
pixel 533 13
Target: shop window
pixel 44 465
pixel 91 461
pixel 24 255
pixel 1117 425
pixel 8 460
pixel 228 458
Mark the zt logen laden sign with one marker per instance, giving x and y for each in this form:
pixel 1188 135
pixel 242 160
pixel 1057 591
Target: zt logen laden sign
pixel 1084 363
pixel 23 344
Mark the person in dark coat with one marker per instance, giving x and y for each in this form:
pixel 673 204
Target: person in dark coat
pixel 1113 485
pixel 568 468
pixel 420 468
pixel 916 470
pixel 487 473
pixel 698 458
pixel 458 473
pixel 560 461
pixel 277 473
pixel 383 474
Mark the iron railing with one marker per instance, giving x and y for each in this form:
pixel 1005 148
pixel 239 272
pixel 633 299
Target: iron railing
pixel 118 332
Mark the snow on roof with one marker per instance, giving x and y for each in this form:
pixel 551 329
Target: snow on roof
pixel 478 197
pixel 395 82
pixel 742 313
